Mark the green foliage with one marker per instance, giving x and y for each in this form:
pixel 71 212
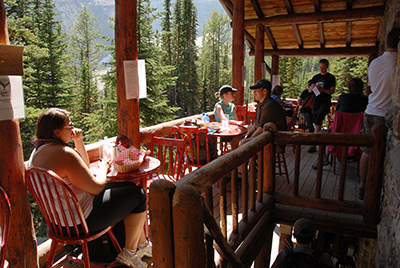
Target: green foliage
pixel 214 60
pixel 289 69
pixel 85 50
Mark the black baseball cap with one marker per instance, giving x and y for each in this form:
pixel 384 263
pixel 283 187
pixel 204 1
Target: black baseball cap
pixel 226 88
pixel 263 83
pixel 304 228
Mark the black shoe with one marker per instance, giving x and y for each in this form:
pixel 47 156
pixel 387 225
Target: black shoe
pixel 312 149
pixel 325 163
pixel 302 126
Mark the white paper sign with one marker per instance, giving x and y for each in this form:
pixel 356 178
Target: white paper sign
pixel 11 98
pixel 135 79
pixel 276 80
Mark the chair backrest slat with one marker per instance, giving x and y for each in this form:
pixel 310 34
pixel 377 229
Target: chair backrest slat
pixel 170 152
pixel 57 202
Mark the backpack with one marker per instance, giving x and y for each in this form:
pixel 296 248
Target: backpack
pixel 302 260
pixel 102 249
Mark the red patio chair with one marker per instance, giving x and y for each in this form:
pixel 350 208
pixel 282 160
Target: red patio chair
pixel 5 225
pixel 197 147
pixel 345 123
pixel 170 152
pixel 59 206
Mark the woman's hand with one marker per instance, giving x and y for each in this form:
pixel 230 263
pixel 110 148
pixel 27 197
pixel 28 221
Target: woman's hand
pixel 77 134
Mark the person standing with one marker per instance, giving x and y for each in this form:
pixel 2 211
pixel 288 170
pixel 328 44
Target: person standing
pixel 305 100
pixel 381 74
pixel 323 85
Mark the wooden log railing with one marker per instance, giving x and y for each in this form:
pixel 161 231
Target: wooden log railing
pixel 184 229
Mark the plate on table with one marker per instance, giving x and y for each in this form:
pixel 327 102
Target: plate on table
pixel 214 127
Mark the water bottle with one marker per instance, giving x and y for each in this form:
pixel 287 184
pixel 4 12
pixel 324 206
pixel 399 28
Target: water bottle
pixel 207 119
pixel 203 116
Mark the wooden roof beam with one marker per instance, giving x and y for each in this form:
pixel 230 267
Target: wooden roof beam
pixel 228 6
pixel 349 4
pixel 321 34
pixel 297 35
pixel 288 6
pixel 343 51
pixel 317 5
pixel 270 37
pixel 328 16
pixel 348 34
pixel 257 8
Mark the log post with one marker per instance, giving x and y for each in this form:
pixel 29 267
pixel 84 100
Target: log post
pixel 375 174
pixel 21 244
pixel 259 53
pixel 188 227
pixel 126 49
pixel 238 49
pixel 274 66
pixel 161 224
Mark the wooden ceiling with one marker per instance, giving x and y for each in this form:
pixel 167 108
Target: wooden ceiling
pixel 313 27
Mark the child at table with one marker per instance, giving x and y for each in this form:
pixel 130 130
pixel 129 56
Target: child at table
pixel 225 107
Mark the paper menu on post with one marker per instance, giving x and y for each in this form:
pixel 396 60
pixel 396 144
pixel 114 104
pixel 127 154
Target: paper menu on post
pixel 316 91
pixel 135 79
pixel 11 98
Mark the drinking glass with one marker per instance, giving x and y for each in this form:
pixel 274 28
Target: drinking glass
pixel 225 122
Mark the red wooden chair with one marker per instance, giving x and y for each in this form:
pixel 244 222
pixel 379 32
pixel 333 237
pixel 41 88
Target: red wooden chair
pixel 197 149
pixel 170 152
pixel 345 123
pixel 5 225
pixel 60 207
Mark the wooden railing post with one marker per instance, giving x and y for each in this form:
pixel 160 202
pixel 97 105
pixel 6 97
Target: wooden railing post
pixel 188 219
pixel 375 174
pixel 161 224
pixel 269 162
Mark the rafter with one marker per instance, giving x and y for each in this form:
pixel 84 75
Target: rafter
pixel 348 33
pixel 317 6
pixel 270 37
pixel 228 6
pixel 288 6
pixel 321 34
pixel 257 8
pixel 343 51
pixel 328 16
pixel 297 35
pixel 349 4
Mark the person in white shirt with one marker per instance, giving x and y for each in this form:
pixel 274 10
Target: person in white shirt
pixel 381 74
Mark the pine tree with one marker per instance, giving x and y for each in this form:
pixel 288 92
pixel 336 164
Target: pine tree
pixel 289 69
pixel 85 48
pixel 214 64
pixel 185 57
pixel 154 109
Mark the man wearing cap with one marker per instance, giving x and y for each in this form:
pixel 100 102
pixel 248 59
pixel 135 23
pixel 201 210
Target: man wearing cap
pixel 304 232
pixel 268 110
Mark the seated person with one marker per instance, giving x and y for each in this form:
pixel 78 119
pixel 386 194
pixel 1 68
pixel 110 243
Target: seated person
pixel 303 255
pixel 225 106
pixel 103 204
pixel 305 100
pixel 268 110
pixel 276 95
pixel 354 101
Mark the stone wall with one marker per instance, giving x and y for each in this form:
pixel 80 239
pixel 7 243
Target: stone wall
pixel 387 248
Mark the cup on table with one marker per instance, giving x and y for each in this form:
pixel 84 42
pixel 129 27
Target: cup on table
pixel 225 122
